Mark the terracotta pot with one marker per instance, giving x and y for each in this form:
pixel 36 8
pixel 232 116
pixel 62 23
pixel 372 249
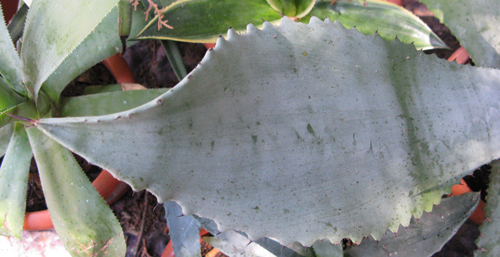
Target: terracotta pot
pixel 108 187
pixel 460 55
pixel 478 215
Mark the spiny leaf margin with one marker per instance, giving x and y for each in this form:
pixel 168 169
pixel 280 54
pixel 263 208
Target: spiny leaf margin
pixel 389 156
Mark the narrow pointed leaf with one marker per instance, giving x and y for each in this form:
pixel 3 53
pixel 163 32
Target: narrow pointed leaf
pixel 235 244
pixel 81 217
pixel 280 250
pixel 90 90
pixel 387 19
pixel 422 237
pixel 292 8
pixel 102 42
pixel 204 21
pixel 16 24
pixel 174 58
pixel 53 30
pixel 10 64
pixel 184 231
pixel 325 248
pixel 476 24
pixel 107 103
pixel 267 243
pixel 302 132
pixel 488 244
pixel 14 182
pixel 5 136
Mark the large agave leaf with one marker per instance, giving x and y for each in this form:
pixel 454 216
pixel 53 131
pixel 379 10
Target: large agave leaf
pixel 476 24
pixel 102 42
pixel 5 136
pixel 422 237
pixel 387 19
pixel 82 219
pixel 488 244
pixel 13 183
pixel 53 30
pixel 302 132
pixel 10 64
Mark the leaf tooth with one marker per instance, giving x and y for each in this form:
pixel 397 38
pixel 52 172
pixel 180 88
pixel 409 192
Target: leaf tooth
pixel 231 34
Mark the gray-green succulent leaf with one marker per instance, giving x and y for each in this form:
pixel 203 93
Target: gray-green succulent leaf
pixel 476 24
pixel 302 132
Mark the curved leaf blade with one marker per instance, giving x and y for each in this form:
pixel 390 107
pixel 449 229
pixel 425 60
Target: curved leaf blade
pixel 204 20
pixel 226 240
pixel 53 30
pixel 425 236
pixel 488 244
pixel 382 134
pixel 387 19
pixel 476 24
pixel 107 103
pixel 5 136
pixel 102 42
pixel 174 58
pixel 10 64
pixel 82 219
pixel 14 182
pixel 184 231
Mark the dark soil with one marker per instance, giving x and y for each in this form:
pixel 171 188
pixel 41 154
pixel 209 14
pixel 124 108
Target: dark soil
pixel 139 213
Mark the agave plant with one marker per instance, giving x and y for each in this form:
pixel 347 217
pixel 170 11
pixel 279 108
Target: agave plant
pixel 299 133
pixel 55 46
pixel 313 132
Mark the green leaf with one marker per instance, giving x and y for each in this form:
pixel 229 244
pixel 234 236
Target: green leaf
pixel 302 132
pixel 204 20
pixel 184 231
pixel 324 248
pixel 106 103
pixel 387 19
pixel 81 217
pixel 488 244
pixel 175 58
pixel 10 64
pixel 14 183
pixel 425 236
pixel 16 24
pixel 292 8
pixel 53 30
pixel 476 24
pixel 102 43
pixel 89 90
pixel 5 136
pixel 8 98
